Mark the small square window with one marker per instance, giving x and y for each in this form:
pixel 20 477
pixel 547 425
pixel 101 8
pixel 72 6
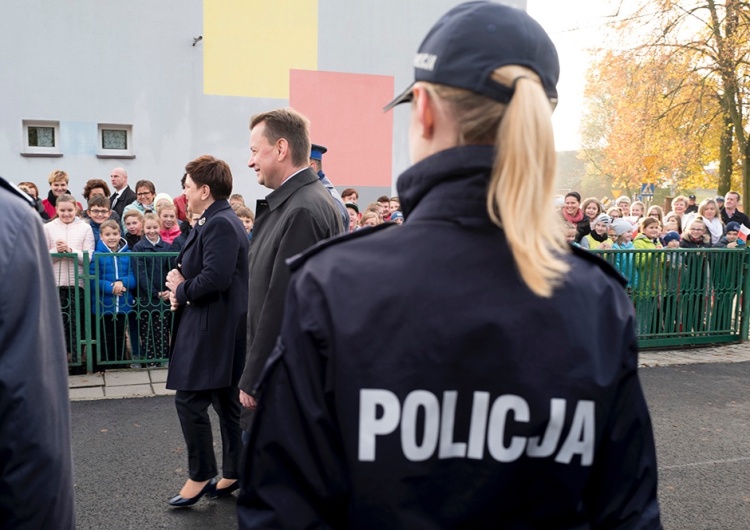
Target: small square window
pixel 115 141
pixel 41 138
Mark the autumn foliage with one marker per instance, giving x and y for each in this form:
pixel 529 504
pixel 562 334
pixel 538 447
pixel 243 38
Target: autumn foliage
pixel 660 105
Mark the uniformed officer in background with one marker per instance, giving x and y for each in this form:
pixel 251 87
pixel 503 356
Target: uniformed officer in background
pixel 316 162
pixel 460 387
pixel 36 470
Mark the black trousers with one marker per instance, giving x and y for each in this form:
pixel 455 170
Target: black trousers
pixel 192 409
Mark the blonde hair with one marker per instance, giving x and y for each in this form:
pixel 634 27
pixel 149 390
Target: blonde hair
pixel 57 175
pixel 151 216
pixel 370 215
pixel 523 173
pixel 164 207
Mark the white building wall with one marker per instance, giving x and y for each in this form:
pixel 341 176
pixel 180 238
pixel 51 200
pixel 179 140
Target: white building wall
pixel 84 62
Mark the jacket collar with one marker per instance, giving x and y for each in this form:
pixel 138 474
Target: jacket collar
pixel 278 196
pixel 450 185
pixel 209 212
pixel 216 206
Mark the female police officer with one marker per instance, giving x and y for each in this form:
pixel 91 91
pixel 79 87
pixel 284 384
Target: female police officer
pixel 459 387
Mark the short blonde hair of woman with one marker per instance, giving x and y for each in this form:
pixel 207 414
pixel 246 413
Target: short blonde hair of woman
pixel 706 202
pixel 679 198
pixel 614 209
pixel 57 175
pixel 523 172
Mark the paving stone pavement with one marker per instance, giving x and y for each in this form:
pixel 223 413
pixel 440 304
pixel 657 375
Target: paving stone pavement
pixel 127 383
pixel 114 384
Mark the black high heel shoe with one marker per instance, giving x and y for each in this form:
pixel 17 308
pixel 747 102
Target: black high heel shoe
pixel 179 501
pixel 220 493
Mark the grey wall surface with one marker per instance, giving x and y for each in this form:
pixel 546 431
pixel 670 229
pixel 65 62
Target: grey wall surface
pixel 84 62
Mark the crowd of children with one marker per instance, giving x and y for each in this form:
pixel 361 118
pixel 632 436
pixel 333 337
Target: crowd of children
pixel 130 298
pixel 672 291
pixel 129 305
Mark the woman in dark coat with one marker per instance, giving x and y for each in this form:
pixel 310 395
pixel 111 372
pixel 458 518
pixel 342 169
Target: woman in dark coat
pixel 208 289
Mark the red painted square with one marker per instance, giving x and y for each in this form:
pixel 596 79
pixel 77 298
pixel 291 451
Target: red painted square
pixel 346 115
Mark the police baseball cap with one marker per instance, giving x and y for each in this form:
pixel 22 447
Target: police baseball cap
pixel 317 151
pixel 472 40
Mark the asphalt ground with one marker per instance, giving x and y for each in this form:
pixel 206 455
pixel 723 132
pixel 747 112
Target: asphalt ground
pixel 130 456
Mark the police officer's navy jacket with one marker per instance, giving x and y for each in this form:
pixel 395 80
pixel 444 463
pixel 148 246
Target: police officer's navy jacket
pixel 447 394
pixel 36 463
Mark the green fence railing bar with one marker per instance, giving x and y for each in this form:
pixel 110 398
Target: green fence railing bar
pixel 685 297
pixel 682 298
pixel 104 330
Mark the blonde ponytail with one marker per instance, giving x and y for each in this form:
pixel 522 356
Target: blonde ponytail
pixel 523 177
pixel 521 190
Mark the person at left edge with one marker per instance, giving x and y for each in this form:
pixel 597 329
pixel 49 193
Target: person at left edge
pixel 316 163
pixel 208 289
pixel 36 469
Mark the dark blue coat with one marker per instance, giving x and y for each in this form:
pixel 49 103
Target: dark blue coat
pixel 36 463
pixel 418 383
pixel 113 267
pixel 208 348
pixel 151 273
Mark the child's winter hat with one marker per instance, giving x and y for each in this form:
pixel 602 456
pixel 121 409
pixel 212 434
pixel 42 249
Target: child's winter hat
pixel 672 235
pixel 603 218
pixel 733 226
pixel 621 226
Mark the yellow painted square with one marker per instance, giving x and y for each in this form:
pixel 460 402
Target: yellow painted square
pixel 249 46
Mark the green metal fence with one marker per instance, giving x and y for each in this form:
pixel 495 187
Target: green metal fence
pixel 682 297
pixel 103 330
pixel 685 297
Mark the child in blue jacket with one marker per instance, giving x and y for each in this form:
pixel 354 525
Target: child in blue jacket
pixel 112 299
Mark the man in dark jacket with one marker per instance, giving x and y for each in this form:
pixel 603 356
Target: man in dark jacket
pixel 123 195
pixel 300 213
pixel 36 470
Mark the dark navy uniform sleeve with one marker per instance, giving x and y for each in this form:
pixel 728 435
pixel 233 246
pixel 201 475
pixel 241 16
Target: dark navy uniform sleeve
pixel 623 489
pixel 295 473
pixel 36 470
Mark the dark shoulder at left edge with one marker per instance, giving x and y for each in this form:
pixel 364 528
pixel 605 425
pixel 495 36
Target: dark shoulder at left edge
pixel 295 262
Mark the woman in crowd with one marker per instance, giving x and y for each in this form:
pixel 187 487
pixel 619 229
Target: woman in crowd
pixel 679 205
pixel 145 192
pixel 711 218
pixel 572 213
pixel 58 183
pixel 32 191
pixel 208 289
pixel 614 212
pixel 339 441
pixel 623 203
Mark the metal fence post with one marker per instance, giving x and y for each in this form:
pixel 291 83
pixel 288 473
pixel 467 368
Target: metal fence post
pixel 744 297
pixel 88 341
